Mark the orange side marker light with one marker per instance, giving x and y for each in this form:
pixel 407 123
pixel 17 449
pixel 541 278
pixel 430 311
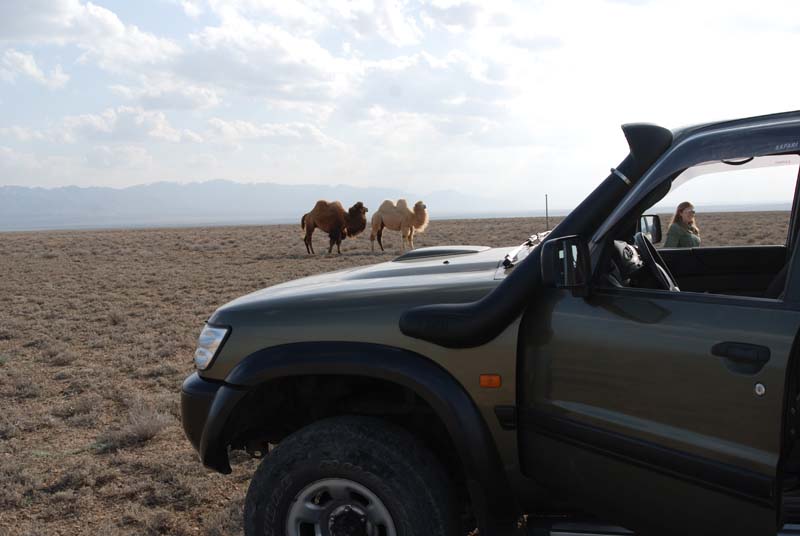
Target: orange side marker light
pixel 491 381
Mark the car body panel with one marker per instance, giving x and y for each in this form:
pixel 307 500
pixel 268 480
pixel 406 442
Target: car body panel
pixel 644 367
pixel 364 305
pixel 642 383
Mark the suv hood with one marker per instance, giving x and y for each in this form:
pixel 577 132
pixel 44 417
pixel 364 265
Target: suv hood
pixel 425 269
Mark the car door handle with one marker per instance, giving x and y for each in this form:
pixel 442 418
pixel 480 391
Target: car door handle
pixel 741 357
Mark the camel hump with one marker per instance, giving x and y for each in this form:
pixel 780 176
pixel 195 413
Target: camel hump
pixel 402 203
pixel 336 204
pixel 386 205
pixel 321 205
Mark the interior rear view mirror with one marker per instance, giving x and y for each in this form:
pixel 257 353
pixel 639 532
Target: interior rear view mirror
pixel 566 264
pixel 650 226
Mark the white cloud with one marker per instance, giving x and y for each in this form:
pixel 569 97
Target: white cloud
pixel 192 8
pixel 34 168
pixel 293 14
pixel 15 63
pixel 454 17
pixel 21 133
pixel 535 42
pixel 234 132
pixel 266 60
pixel 11 159
pixel 453 85
pixel 97 31
pixel 123 156
pixel 169 94
pixel 121 124
pixel 391 20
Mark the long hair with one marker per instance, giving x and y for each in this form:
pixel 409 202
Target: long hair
pixel 693 228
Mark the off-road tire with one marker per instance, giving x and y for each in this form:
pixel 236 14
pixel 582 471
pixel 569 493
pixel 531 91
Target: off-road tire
pixel 383 457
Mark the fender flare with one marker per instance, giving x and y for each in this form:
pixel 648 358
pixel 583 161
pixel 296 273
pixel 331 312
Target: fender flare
pixel 488 486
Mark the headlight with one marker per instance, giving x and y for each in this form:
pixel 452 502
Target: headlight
pixel 208 345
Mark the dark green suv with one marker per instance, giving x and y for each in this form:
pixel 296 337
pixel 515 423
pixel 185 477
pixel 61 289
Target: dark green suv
pixel 584 373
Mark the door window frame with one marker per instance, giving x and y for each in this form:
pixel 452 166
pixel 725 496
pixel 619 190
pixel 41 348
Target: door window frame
pixel 676 160
pixel 718 143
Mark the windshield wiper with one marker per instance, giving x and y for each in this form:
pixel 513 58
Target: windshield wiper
pixel 534 239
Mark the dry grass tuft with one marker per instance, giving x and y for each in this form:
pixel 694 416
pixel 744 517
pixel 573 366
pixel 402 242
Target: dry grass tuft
pixel 63 358
pixel 144 423
pixel 24 388
pixel 19 486
pixel 7 428
pixel 116 318
pixel 80 406
pixel 227 521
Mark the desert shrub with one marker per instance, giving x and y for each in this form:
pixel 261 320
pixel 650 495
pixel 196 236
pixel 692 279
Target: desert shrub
pixel 63 358
pixel 144 423
pixel 227 521
pixel 75 387
pixel 23 388
pixel 35 343
pixel 116 317
pixel 149 522
pixel 7 428
pixel 162 369
pixel 80 406
pixel 73 479
pixel 17 486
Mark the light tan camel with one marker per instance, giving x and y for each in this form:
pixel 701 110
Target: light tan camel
pixel 398 217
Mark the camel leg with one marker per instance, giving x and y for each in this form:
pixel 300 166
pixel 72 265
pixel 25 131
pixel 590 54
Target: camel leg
pixel 309 243
pixel 411 238
pixel 380 238
pixel 403 234
pixel 335 238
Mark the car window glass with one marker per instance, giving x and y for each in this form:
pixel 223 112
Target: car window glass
pixel 742 202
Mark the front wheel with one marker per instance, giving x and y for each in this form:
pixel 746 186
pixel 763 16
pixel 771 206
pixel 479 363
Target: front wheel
pixel 350 476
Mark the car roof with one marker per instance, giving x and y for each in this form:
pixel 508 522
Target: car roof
pixel 683 132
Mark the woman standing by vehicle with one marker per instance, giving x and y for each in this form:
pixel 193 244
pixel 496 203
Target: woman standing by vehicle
pixel 683 231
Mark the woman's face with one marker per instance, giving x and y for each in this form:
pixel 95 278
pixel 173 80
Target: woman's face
pixel 687 215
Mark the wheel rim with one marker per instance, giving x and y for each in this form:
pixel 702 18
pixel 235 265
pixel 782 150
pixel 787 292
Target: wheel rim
pixel 338 507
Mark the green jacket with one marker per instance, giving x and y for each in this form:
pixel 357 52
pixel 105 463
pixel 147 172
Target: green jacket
pixel 679 236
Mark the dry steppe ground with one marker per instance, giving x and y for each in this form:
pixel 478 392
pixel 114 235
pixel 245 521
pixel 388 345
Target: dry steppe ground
pixel 97 331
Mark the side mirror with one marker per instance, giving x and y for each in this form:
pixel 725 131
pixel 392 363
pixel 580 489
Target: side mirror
pixel 650 226
pixel 566 264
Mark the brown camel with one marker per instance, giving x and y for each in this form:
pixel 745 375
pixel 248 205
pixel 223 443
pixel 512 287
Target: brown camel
pixel 334 220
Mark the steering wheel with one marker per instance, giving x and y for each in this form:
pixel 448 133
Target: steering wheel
pixel 654 262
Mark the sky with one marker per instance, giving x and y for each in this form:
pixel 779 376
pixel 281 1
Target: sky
pixel 509 100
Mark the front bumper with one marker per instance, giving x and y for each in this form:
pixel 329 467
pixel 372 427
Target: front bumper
pixel 205 409
pixel 197 395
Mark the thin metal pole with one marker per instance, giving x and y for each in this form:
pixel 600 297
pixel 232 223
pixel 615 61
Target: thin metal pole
pixel 546 214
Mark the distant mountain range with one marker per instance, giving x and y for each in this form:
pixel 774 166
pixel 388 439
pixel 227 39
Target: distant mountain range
pixel 205 203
